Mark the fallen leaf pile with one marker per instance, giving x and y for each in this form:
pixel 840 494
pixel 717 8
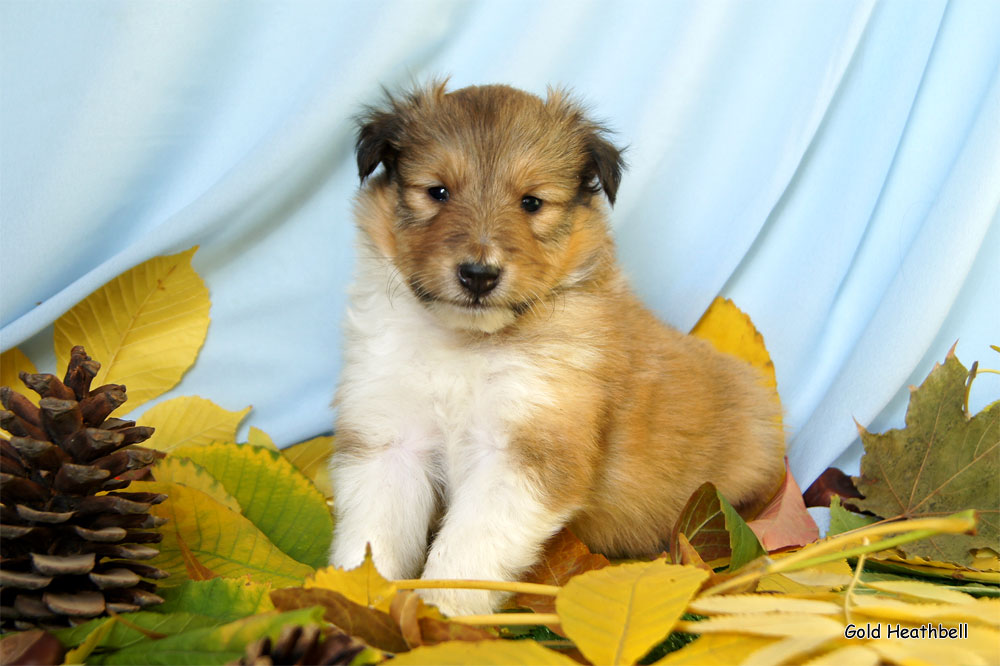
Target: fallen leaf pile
pixel 248 529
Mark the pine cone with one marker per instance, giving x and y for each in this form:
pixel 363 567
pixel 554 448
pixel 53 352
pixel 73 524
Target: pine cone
pixel 299 645
pixel 68 554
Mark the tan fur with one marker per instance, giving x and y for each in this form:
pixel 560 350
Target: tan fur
pixel 642 414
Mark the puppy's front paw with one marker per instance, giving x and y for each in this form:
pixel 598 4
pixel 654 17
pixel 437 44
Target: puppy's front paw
pixel 461 602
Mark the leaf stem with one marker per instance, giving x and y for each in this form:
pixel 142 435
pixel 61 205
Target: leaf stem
pixel 502 586
pixel 523 619
pixel 834 549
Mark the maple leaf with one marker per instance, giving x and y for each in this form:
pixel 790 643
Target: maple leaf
pixel 943 461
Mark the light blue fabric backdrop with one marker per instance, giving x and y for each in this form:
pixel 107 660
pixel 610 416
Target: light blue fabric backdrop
pixel 834 167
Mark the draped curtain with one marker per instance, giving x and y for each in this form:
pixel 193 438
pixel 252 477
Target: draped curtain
pixel 831 166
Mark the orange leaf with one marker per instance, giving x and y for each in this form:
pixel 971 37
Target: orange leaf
pixel 564 556
pixel 784 521
pixel 372 626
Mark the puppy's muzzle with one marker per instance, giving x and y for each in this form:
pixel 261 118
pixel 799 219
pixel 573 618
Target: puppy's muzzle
pixel 478 279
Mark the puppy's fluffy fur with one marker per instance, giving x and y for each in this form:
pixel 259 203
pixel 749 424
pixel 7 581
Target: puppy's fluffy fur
pixel 479 423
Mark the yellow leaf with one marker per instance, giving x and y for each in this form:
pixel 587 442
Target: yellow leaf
pixel 759 603
pixel 982 611
pixel 312 458
pixel 732 331
pixel 790 650
pixel 854 655
pixel 12 362
pixel 173 469
pixel 145 327
pixel 921 591
pixel 767 624
pixel 814 580
pixel 715 650
pixel 190 420
pixel 363 584
pixel 222 540
pixel 79 654
pixel 981 648
pixel 258 437
pixel 617 614
pixel 483 653
pixel 273 495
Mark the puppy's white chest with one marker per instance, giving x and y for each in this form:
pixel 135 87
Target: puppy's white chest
pixel 408 382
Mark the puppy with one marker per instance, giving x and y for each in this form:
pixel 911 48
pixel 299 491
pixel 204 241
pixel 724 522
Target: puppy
pixel 501 380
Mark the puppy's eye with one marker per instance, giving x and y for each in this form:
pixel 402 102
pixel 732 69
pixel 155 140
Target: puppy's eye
pixel 530 203
pixel 438 193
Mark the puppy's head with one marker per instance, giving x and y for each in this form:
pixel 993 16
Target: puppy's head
pixel 487 203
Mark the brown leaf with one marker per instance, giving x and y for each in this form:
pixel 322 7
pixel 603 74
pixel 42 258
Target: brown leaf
pixel 403 610
pixel 564 556
pixel 831 482
pixel 374 627
pixel 421 624
pixel 943 461
pixel 35 647
pixel 784 521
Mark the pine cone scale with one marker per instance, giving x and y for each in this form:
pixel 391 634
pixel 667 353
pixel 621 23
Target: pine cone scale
pixel 67 552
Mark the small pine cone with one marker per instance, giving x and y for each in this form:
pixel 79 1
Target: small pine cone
pixel 66 553
pixel 300 646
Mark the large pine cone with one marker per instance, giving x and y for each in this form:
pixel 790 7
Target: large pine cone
pixel 68 553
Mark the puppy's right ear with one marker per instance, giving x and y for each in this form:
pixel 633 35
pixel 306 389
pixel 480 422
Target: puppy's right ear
pixel 377 141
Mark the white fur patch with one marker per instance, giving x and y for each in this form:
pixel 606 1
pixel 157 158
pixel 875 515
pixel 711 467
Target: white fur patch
pixel 434 409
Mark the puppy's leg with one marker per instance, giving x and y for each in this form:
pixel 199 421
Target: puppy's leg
pixel 384 496
pixel 494 528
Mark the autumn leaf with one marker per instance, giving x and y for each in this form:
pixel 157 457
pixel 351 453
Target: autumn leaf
pixel 564 556
pixel 730 330
pixel 12 363
pixel 715 530
pixel 784 521
pixel 715 650
pixel 190 420
pixel 488 653
pixel 258 437
pixel 363 584
pixel 312 458
pixel 421 624
pixel 273 495
pixel 225 598
pixel 147 326
pixel 942 461
pixel 842 520
pixel 617 614
pixel 374 627
pixel 221 539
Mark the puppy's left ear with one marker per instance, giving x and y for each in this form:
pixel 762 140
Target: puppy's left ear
pixel 377 141
pixel 604 165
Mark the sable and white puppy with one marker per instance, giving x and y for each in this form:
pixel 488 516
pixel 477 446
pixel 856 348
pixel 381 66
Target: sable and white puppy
pixel 500 378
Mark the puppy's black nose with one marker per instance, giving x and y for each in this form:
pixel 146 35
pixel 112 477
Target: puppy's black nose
pixel 478 279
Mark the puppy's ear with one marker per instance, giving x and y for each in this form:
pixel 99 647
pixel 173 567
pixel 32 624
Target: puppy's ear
pixel 604 165
pixel 377 142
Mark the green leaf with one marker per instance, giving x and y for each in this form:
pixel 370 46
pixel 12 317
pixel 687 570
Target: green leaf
pixel 174 469
pixel 222 540
pixel 211 645
pixel 274 496
pixel 79 654
pixel 942 462
pixel 742 540
pixel 842 520
pixel 121 635
pixel 223 598
pixel 715 529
